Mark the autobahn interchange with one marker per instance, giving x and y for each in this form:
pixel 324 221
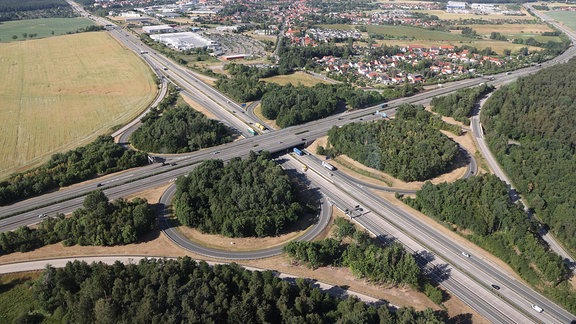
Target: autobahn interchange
pixel 136 180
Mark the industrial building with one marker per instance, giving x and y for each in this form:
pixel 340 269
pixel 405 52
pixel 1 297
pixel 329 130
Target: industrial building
pixel 158 29
pixel 185 41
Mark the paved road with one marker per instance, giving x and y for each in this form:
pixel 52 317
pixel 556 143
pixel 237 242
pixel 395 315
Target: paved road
pixel 174 235
pixel 419 237
pixel 151 176
pixel 478 135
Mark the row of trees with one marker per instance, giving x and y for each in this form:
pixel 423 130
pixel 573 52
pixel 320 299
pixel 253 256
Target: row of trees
pixel 100 222
pixel 409 147
pixel 251 197
pixel 185 291
pixel 481 207
pixel 100 157
pixel 460 104
pixel 530 128
pixel 177 128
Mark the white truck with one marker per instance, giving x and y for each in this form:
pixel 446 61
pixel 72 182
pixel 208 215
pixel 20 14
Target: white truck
pixel 328 166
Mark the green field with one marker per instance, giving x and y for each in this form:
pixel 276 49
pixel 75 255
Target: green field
pixel 62 92
pixel 42 27
pixel 568 18
pixel 405 32
pixel 16 297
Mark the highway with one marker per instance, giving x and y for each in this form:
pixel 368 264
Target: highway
pixel 476 274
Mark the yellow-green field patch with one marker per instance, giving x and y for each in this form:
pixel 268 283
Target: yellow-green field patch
pixel 496 46
pixel 567 18
pixel 62 92
pixel 456 16
pixel 40 28
pixel 510 29
pixel 295 78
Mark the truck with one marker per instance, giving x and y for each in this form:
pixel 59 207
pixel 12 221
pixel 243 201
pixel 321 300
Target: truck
pixel 328 166
pixel 297 151
pixel 252 131
pixel 260 126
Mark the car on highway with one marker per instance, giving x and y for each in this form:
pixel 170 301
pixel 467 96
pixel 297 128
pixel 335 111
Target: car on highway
pixel 216 152
pixel 537 308
pixel 42 215
pixel 466 254
pixel 496 287
pixel 99 185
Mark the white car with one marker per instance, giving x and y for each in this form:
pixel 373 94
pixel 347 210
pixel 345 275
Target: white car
pixel 42 215
pixel 466 254
pixel 537 308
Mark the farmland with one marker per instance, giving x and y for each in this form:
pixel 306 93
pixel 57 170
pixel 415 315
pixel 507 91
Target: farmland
pixel 41 27
pixel 80 86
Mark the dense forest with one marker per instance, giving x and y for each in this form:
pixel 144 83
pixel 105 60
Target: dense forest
pixel 100 222
pixel 409 147
pixel 460 104
pixel 31 9
pixel 245 84
pixel 100 157
pixel 292 105
pixel 19 5
pixel 530 128
pixel 251 197
pixel 172 128
pixel 481 207
pixel 186 291
pixel 365 256
pixel 293 57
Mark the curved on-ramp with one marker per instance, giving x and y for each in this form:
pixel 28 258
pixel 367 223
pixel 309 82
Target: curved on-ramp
pixel 177 238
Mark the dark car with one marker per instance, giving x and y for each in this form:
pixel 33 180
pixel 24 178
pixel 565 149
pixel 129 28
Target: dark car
pixel 496 287
pixel 99 185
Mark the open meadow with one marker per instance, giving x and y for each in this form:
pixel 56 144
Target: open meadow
pixel 43 28
pixel 567 18
pixel 62 92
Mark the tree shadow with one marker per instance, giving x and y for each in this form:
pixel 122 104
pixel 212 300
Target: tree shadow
pixel 13 283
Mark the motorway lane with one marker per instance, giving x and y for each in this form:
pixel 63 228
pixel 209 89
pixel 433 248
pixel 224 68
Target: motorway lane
pixel 314 128
pixel 476 295
pixel 443 246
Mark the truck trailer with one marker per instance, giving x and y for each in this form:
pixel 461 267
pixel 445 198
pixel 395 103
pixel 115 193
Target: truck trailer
pixel 297 151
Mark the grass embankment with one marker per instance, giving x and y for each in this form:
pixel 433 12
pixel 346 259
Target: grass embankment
pixel 44 27
pixel 62 92
pixel 296 78
pixel 16 296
